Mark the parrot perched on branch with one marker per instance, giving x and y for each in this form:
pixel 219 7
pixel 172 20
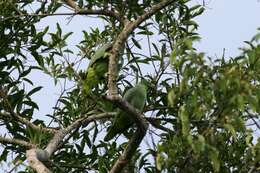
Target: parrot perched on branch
pixel 136 97
pixel 97 68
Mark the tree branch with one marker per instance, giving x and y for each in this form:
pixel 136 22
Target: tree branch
pixel 72 4
pixel 34 163
pixel 33 126
pixel 104 12
pixel 132 112
pixel 77 9
pixel 133 144
pixel 15 116
pixel 154 123
pixel 81 12
pixel 37 157
pixel 129 151
pixel 21 143
pixel 59 136
pixel 38 15
pixel 129 27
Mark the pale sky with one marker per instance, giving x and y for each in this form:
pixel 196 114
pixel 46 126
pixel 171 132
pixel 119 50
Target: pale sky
pixel 227 24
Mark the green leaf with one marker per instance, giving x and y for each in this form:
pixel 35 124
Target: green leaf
pixel 213 155
pixel 38 58
pixel 34 91
pixel 4 155
pixel 253 103
pixel 184 117
pixel 256 37
pixel 136 43
pixel 159 161
pixel 199 144
pixel 195 7
pixel 145 33
pixel 171 98
pixel 240 102
pixel 25 73
pixel 32 104
pixel 231 129
pixel 199 12
pixel 67 35
pixel 59 31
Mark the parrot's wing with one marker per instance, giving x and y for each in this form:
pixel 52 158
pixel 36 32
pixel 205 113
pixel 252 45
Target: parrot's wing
pixel 90 81
pixel 100 53
pixel 120 124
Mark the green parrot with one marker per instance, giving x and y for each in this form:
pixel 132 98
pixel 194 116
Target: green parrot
pixel 97 68
pixel 135 96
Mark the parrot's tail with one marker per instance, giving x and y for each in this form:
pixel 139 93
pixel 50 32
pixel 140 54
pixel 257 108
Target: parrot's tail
pixel 109 135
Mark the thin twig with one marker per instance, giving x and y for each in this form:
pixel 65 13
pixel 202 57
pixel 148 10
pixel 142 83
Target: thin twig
pixel 104 12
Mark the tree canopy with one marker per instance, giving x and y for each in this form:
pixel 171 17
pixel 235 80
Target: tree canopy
pixel 200 112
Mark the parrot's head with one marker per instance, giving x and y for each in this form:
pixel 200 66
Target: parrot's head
pixel 144 84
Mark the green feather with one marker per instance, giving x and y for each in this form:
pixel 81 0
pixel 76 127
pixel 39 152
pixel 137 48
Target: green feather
pixel 136 97
pixel 100 54
pixel 97 68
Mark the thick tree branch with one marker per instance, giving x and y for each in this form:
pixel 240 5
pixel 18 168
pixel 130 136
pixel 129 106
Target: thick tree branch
pixel 133 144
pixel 129 27
pixel 129 151
pixel 33 126
pixel 157 125
pixel 135 115
pixel 21 143
pixel 37 157
pixel 35 163
pixel 59 136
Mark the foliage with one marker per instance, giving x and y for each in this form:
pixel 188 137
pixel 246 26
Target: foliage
pixel 201 111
